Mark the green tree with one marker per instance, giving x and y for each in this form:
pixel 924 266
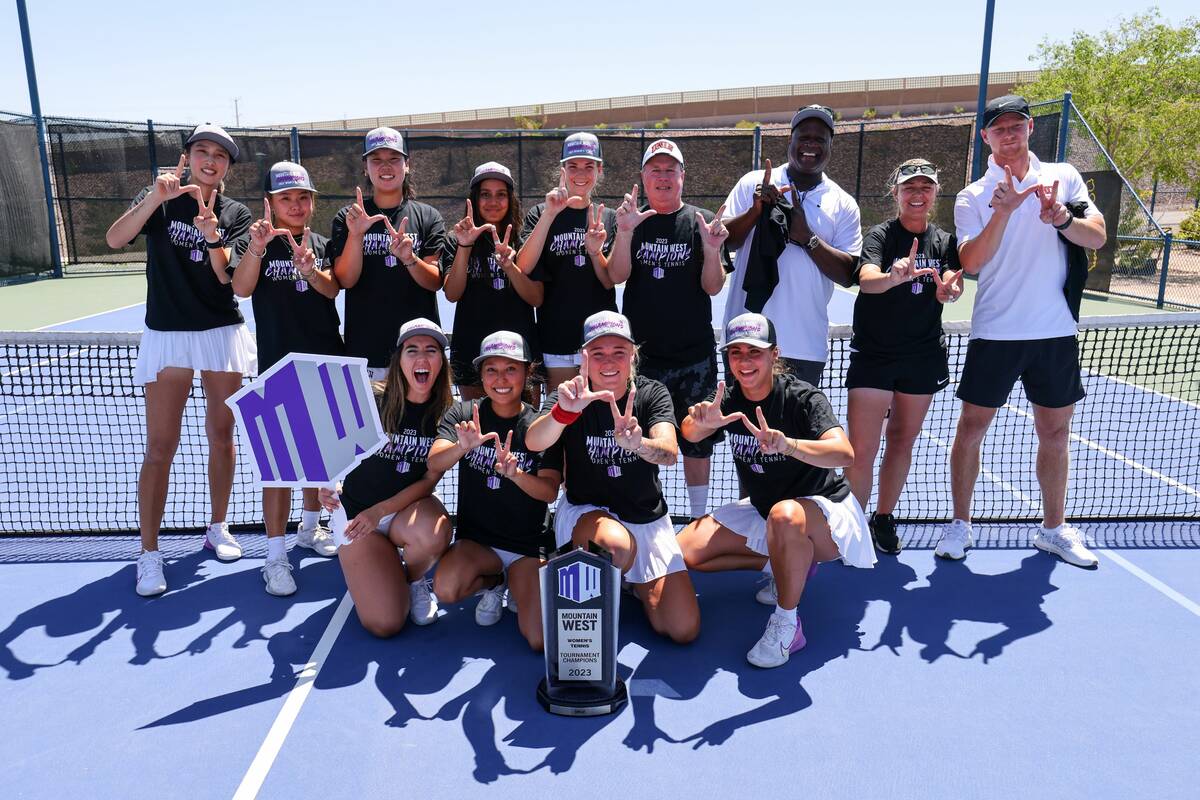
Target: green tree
pixel 1138 85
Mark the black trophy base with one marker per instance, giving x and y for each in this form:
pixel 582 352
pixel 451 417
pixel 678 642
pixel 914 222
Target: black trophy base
pixel 583 702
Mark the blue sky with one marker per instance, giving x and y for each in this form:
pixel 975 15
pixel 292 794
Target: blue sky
pixel 304 60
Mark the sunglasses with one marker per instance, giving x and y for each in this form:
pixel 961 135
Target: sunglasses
pixel 909 170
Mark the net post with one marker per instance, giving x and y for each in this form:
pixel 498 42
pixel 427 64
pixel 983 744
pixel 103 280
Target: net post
pixel 1064 126
pixel 35 105
pixel 295 137
pixel 152 150
pixel 1162 275
pixel 756 154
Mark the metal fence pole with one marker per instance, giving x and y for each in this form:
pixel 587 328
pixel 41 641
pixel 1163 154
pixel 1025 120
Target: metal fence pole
pixel 858 170
pixel 152 150
pixel 984 69
pixel 43 152
pixel 1064 127
pixel 1162 276
pixel 296 145
pixel 1153 195
pixel 756 155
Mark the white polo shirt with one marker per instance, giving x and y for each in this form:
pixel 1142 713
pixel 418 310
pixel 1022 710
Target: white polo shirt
pixel 799 306
pixel 1020 295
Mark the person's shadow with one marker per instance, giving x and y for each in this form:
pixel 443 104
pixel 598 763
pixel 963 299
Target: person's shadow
pixel 954 593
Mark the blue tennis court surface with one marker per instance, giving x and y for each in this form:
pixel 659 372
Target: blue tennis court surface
pixel 1009 673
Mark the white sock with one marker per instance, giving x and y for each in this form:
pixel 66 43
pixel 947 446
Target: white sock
pixel 215 526
pixel 786 613
pixel 1048 529
pixel 276 547
pixel 309 519
pixel 698 499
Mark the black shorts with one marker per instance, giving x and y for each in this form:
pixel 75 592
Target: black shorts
pixel 1048 368
pixel 688 386
pixel 807 371
pixel 911 375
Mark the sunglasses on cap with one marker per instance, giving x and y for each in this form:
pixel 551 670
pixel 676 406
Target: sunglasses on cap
pixel 908 170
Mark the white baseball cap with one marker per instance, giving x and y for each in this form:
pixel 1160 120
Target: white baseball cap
pixel 663 147
pixel 503 344
pixel 750 328
pixel 606 323
pixel 422 327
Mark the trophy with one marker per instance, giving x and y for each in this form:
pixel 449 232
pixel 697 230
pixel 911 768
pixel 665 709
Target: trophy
pixel 581 599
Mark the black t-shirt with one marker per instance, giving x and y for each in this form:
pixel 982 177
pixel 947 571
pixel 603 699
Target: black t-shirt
pixel 489 302
pixel 492 510
pixel 801 412
pixel 906 320
pixel 386 296
pixel 600 472
pixel 573 292
pixel 290 316
pixel 394 467
pixel 669 310
pixel 182 292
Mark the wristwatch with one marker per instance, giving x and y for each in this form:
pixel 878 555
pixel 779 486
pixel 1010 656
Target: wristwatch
pixel 813 241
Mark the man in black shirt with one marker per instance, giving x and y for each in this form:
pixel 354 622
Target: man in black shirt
pixel 671 256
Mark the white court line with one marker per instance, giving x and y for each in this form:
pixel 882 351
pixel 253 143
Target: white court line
pixel 1134 570
pixel 89 316
pixel 253 780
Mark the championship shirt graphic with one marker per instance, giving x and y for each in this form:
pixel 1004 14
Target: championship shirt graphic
pixel 570 243
pixel 745 450
pixel 605 452
pixel 282 269
pixel 923 261
pixel 379 244
pixel 406 448
pixel 189 237
pixel 489 268
pixel 483 460
pixel 662 255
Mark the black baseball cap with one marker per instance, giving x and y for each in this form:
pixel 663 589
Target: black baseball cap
pixel 823 113
pixel 1008 104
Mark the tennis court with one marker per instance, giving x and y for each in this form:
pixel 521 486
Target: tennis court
pixel 1007 673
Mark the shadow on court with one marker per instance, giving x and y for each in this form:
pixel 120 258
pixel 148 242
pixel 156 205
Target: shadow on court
pixel 698 695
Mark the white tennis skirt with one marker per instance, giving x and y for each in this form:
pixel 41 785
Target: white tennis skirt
pixel 227 349
pixel 847 527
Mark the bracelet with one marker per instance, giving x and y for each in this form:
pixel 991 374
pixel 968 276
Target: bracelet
pixel 1067 224
pixel 214 245
pixel 562 416
pixel 259 256
pixel 309 274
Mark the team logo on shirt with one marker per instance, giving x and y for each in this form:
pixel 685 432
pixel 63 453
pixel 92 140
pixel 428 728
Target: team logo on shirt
pixel 476 270
pixel 745 449
pixel 483 460
pixel 662 255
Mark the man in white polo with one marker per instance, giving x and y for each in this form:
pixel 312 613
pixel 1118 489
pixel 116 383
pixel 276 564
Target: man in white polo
pixel 796 233
pixel 1022 326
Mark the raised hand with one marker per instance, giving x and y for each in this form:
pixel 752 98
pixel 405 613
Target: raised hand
pixel 628 216
pixel 264 230
pixel 303 258
pixel 949 289
pixel 470 433
pixel 465 231
pixel 597 234
pixel 576 394
pixel 556 198
pixel 707 414
pixel 767 193
pixel 626 429
pixel 206 218
pixel 401 245
pixel 1006 198
pixel 770 440
pixel 357 219
pixel 170 185
pixel 505 254
pixel 506 460
pixel 905 269
pixel 713 234
pixel 1052 211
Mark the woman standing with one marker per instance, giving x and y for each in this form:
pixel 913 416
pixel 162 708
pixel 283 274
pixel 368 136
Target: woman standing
pixel 616 429
pixel 389 497
pixel 786 446
pixel 292 291
pixel 491 293
pixel 908 270
pixel 504 492
pixel 386 253
pixel 568 240
pixel 192 323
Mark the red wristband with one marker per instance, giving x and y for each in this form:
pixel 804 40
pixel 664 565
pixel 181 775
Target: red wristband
pixel 562 416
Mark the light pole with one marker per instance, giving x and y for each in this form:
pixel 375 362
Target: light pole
pixel 977 161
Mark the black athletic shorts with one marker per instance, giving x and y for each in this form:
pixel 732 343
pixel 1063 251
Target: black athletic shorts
pixel 913 375
pixel 1048 368
pixel 688 386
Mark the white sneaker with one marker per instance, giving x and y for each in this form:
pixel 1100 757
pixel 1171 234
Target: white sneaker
pixel 218 539
pixel 777 644
pixel 150 578
pixel 956 538
pixel 768 593
pixel 423 605
pixel 490 607
pixel 318 539
pixel 277 572
pixel 512 601
pixel 1065 542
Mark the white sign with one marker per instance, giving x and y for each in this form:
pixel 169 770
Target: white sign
pixel 579 644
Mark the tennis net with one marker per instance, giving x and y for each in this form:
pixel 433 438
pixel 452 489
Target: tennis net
pixel 72 436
